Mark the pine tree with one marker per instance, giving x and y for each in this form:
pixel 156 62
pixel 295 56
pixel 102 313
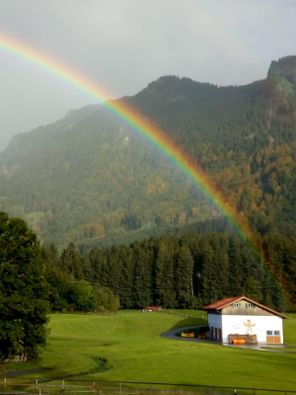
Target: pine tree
pixel 236 274
pixel 164 286
pixel 142 282
pixel 184 277
pixel 209 274
pixel 71 262
pixel 126 282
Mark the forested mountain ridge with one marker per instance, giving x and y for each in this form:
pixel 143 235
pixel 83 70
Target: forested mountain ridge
pixel 89 176
pixel 244 137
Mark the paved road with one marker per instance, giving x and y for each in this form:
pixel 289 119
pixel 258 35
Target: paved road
pixel 173 334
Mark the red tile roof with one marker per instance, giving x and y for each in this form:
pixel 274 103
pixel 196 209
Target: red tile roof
pixel 220 304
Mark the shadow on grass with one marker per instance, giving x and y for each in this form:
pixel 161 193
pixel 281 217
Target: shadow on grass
pixel 189 322
pixel 102 365
pixel 84 341
pixel 22 372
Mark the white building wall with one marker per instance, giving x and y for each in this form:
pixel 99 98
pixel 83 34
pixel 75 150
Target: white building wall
pixel 250 324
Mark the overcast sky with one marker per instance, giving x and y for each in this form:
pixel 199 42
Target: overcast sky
pixel 122 45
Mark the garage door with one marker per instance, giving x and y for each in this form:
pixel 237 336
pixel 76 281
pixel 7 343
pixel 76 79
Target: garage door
pixel 273 337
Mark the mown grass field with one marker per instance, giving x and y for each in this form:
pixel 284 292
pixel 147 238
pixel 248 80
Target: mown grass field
pixel 127 346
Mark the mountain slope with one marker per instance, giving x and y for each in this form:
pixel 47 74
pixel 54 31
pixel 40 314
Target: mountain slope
pixel 244 137
pixel 89 176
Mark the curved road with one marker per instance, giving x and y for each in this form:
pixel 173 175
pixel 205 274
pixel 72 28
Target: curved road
pixel 173 334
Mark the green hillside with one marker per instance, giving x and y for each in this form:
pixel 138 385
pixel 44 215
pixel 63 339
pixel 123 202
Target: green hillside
pixel 89 178
pixel 131 348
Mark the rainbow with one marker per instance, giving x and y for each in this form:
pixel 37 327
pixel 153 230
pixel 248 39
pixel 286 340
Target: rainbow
pixel 140 125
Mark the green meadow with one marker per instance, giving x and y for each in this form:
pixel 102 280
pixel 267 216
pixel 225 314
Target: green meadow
pixel 127 346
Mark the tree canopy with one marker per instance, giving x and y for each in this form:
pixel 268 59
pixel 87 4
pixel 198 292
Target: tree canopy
pixel 23 291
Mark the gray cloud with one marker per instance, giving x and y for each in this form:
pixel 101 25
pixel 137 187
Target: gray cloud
pixel 123 45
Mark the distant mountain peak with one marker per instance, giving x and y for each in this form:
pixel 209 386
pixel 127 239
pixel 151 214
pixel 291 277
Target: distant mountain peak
pixel 168 83
pixel 170 88
pixel 83 112
pixel 283 68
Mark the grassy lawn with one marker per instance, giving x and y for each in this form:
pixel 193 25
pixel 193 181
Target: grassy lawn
pixel 290 331
pixel 127 346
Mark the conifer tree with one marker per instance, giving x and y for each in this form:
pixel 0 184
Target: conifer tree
pixel 142 275
pixel 209 273
pixel 184 277
pixel 236 274
pixel 71 262
pixel 126 283
pixel 164 287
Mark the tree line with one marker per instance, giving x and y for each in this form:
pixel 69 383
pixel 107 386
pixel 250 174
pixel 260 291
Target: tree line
pixel 186 271
pixel 173 271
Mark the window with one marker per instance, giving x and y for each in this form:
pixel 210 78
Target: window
pixel 250 305
pixel 236 304
pixel 273 333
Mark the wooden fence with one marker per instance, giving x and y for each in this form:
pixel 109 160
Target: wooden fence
pixel 22 386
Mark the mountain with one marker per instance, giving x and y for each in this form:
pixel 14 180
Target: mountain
pixel 89 177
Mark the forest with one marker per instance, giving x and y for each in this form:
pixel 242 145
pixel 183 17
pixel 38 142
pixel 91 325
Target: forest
pixel 102 184
pixel 171 271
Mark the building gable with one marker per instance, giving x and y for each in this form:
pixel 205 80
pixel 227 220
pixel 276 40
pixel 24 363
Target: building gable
pixel 244 307
pixel 241 305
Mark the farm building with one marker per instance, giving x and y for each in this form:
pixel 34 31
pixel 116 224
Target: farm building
pixel 241 320
pixel 153 308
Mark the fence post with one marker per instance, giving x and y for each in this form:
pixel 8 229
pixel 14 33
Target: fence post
pixel 4 382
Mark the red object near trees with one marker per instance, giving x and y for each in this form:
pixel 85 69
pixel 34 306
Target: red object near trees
pixel 152 308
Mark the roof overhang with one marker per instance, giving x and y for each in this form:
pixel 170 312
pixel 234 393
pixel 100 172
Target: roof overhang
pixel 217 306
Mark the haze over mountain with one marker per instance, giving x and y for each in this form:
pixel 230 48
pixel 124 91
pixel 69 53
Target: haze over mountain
pixel 122 46
pixel 88 176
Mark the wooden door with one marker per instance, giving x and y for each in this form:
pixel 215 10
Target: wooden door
pixel 273 337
